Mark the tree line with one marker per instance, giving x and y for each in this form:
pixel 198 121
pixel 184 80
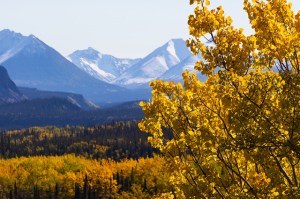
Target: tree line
pixel 77 177
pixel 117 140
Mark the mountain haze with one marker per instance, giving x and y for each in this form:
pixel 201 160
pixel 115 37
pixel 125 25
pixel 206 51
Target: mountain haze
pixel 76 99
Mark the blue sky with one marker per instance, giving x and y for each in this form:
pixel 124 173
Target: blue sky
pixel 131 28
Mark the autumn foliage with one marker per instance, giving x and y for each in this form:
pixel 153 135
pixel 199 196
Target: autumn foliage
pixel 100 161
pixel 76 177
pixel 237 135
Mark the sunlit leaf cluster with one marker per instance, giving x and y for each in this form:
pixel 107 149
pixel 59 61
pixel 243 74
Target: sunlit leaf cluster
pixel 237 135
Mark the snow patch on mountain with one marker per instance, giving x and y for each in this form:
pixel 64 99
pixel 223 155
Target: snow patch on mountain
pixel 93 69
pixel 175 73
pixel 32 63
pixel 101 66
pixel 155 64
pixel 12 43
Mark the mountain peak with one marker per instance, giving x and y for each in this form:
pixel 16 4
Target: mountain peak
pixel 31 39
pixel 91 49
pixel 178 48
pixel 12 43
pixel 8 39
pixel 31 36
pixel 90 52
pixel 10 32
pixel 155 64
pixel 176 41
pixel 101 66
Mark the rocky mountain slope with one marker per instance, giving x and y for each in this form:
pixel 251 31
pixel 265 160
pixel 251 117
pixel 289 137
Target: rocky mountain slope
pixel 9 93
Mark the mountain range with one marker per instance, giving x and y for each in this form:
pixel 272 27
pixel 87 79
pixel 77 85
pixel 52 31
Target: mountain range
pixel 26 107
pixel 101 66
pixel 32 63
pixel 98 77
pixel 136 73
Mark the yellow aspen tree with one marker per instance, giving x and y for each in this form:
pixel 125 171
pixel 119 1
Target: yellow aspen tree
pixel 236 135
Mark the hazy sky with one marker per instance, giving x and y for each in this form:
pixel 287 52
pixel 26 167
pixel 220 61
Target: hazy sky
pixel 123 28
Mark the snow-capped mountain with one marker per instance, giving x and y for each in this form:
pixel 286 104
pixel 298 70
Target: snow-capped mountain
pixel 9 93
pixel 175 73
pixel 98 77
pixel 166 62
pixel 32 63
pixel 101 66
pixel 155 64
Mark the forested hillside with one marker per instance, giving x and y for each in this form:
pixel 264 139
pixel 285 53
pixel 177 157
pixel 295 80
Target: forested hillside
pixel 115 141
pixel 60 112
pixel 76 177
pixel 107 161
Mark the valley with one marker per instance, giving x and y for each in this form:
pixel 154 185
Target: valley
pixel 104 100
pixel 87 87
pixel 80 113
